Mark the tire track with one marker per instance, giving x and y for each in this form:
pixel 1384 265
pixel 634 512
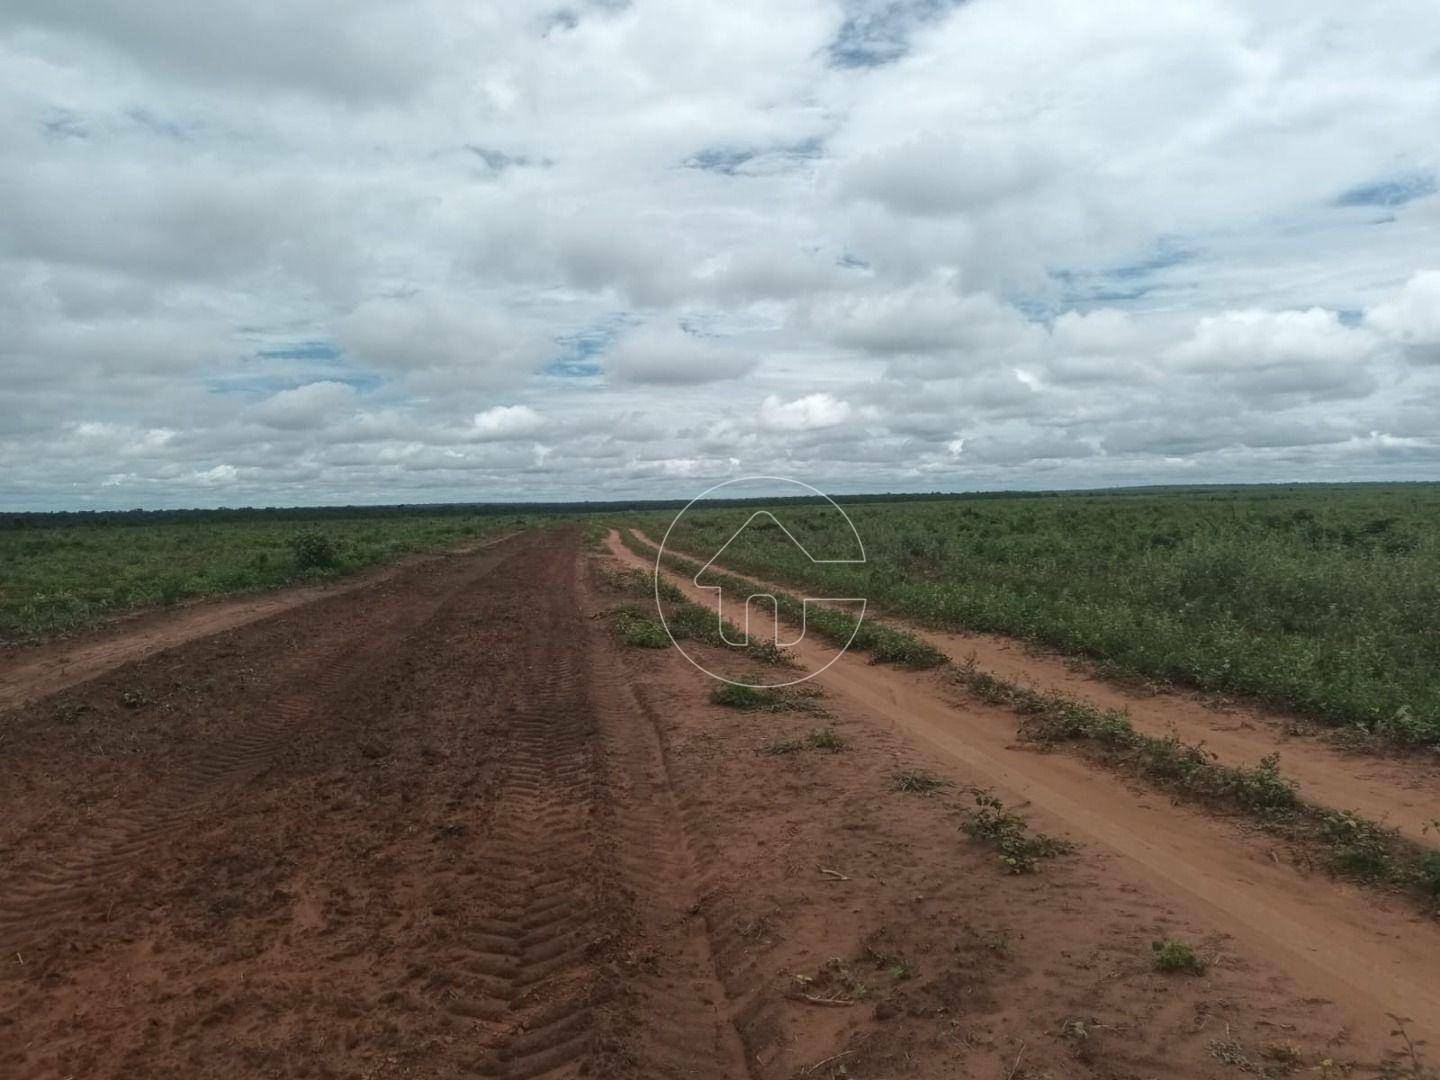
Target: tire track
pixel 691 1030
pixel 35 903
pixel 1343 946
pixel 594 958
pixel 524 970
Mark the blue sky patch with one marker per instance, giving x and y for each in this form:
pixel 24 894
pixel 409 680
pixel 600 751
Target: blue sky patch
pixel 1395 191
pixel 755 161
pixel 877 32
pixel 1120 283
pixel 580 352
pixel 304 350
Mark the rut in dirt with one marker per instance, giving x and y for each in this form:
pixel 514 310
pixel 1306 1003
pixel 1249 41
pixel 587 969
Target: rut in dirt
pixel 333 667
pixel 1373 955
pixel 502 868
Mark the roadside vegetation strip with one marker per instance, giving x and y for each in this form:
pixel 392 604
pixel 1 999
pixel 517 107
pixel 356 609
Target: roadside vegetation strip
pixel 66 578
pixel 638 625
pixel 1342 841
pixel 1322 600
pixel 884 644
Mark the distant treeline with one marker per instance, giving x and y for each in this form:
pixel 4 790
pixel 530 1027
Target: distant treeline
pixel 50 519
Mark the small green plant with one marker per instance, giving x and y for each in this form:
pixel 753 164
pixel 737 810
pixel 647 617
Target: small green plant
pixel 640 631
pixel 818 739
pixel 918 783
pixel 824 739
pixel 1175 957
pixel 1430 873
pixel 836 983
pixel 314 550
pixel 742 696
pixel 1230 1052
pixel 1357 848
pixel 889 646
pixel 1009 834
pixel 759 698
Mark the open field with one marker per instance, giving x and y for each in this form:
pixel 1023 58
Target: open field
pixel 56 579
pixel 471 818
pixel 1322 600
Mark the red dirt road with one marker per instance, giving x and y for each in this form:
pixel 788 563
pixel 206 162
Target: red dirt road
pixel 1401 792
pixel 28 674
pixel 1370 952
pixel 444 825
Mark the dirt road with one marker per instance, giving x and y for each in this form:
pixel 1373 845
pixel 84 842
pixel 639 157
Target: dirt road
pixel 27 674
pixel 445 825
pixel 1401 792
pixel 1372 954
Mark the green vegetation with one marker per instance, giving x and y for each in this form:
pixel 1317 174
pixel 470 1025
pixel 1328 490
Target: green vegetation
pixel 835 625
pixel 1175 957
pixel 59 578
pixel 640 626
pixel 1009 834
pixel 315 549
pixel 819 739
pixel 761 698
pixel 1346 843
pixel 639 629
pixel 1323 599
pixel 1051 718
pixel 918 783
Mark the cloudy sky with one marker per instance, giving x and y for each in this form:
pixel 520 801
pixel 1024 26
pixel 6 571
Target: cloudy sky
pixel 255 252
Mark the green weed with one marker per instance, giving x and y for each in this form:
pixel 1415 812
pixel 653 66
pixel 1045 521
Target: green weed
pixel 825 739
pixel 818 739
pixel 918 783
pixel 1009 834
pixel 639 630
pixel 1175 957
pixel 759 698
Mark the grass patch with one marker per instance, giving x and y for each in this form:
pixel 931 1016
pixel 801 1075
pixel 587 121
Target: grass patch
pixel 824 739
pixel 639 630
pixel 1175 957
pixel 884 644
pixel 1346 843
pixel 686 621
pixel 918 783
pixel 1320 599
pixel 760 698
pixel 62 578
pixel 1009 834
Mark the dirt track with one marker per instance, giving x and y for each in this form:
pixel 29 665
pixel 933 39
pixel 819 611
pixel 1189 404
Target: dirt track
pixel 443 825
pixel 1403 793
pixel 1371 953
pixel 31 673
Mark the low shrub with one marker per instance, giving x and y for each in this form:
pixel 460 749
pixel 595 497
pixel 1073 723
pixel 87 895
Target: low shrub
pixel 314 549
pixel 1175 957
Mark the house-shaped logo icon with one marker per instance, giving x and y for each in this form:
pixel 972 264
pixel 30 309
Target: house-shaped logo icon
pixel 737 601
